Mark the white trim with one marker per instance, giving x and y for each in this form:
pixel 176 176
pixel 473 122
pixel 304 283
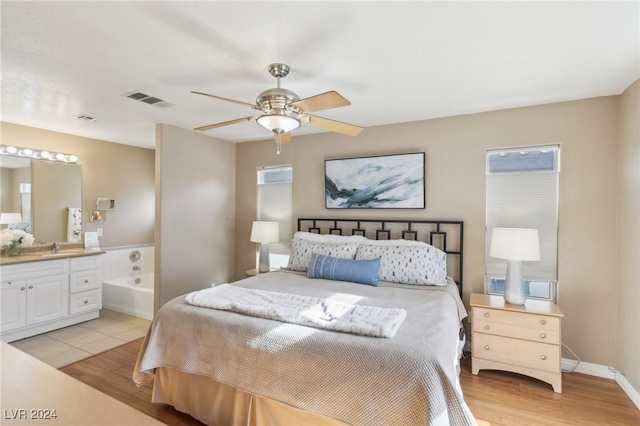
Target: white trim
pixel 606 373
pixel 589 369
pixel 628 389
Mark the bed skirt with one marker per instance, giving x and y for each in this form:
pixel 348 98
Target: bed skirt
pixel 215 403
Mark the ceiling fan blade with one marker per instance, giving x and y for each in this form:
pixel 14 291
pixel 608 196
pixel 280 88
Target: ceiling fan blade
pixel 225 123
pixel 227 99
pixel 282 138
pixel 321 102
pixel 334 126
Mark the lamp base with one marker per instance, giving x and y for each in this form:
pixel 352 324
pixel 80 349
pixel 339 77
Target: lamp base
pixel 263 265
pixel 514 287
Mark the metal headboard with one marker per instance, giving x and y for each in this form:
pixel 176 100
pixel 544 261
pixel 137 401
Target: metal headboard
pixel 433 232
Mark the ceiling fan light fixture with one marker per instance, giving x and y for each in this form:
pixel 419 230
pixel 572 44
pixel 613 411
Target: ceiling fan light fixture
pixel 278 123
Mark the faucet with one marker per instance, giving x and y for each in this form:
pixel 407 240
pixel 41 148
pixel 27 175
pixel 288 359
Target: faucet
pixel 54 248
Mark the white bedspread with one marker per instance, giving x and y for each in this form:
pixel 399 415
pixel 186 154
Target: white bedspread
pixel 359 380
pixel 316 312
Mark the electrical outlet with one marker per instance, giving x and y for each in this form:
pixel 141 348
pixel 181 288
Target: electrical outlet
pixel 99 230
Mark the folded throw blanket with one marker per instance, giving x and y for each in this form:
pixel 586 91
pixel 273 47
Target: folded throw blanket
pixel 309 311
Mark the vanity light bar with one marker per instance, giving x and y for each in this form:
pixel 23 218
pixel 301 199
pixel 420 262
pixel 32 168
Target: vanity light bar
pixel 37 154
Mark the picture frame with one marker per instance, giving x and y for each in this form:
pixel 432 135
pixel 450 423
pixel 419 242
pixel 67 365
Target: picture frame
pixel 377 182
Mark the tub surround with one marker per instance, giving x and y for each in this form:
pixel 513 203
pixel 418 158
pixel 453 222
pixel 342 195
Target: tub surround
pixel 41 293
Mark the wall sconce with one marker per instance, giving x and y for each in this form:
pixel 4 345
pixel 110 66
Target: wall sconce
pixel 37 154
pixel 103 205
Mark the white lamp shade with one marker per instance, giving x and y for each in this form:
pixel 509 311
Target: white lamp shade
pixel 10 218
pixel 265 232
pixel 515 244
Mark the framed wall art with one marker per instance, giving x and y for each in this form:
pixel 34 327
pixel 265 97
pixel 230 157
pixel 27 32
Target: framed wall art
pixel 381 182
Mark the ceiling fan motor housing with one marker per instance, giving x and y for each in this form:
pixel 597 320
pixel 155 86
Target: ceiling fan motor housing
pixel 276 98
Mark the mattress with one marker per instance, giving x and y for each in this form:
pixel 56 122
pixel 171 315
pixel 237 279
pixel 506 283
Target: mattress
pixel 409 379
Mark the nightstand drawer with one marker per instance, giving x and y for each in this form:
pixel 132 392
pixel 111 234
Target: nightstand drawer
pixel 508 330
pixel 540 356
pixel 520 319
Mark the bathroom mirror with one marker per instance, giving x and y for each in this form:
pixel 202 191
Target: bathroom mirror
pixel 42 191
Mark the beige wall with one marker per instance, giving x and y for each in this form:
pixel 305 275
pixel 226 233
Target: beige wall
pixel 109 170
pixel 195 204
pixel 628 282
pixel 455 184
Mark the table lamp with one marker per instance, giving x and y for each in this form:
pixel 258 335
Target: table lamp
pixel 10 218
pixel 515 245
pixel 264 233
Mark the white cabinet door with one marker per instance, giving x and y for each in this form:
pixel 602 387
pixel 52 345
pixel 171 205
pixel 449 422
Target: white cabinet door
pixel 47 298
pixel 14 305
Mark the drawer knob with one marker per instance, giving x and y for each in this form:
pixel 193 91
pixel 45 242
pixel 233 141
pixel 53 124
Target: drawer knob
pixel 22 288
pixel 543 336
pixel 487 314
pixel 486 327
pixel 9 282
pixel 543 322
pixel 487 347
pixel 86 301
pixel 86 281
pixel 543 357
pixel 30 286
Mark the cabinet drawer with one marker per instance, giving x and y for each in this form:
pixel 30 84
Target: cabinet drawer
pixel 86 280
pixel 520 319
pixel 84 263
pixel 35 269
pixel 85 301
pixel 539 356
pixel 508 330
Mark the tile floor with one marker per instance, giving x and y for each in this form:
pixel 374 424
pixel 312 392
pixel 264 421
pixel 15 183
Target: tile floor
pixel 70 344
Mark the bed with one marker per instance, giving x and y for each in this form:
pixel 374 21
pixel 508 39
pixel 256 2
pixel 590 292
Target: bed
pixel 229 368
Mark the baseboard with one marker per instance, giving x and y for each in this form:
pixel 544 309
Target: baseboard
pixel 628 389
pixel 588 368
pixel 606 373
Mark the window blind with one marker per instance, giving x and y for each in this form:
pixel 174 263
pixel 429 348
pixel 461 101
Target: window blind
pixel 522 192
pixel 275 205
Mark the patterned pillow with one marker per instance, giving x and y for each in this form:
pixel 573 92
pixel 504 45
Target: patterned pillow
pixel 301 251
pixel 356 271
pixel 419 265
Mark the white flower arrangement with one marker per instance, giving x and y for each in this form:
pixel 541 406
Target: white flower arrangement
pixel 12 239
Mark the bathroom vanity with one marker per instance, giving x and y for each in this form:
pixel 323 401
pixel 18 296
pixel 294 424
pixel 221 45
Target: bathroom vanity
pixel 41 292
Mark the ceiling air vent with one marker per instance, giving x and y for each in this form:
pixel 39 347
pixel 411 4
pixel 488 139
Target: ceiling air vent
pixel 143 97
pixel 84 117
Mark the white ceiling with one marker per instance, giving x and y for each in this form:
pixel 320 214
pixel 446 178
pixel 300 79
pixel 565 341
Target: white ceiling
pixel 395 62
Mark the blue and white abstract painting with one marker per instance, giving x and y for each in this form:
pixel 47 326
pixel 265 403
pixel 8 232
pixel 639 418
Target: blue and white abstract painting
pixel 383 182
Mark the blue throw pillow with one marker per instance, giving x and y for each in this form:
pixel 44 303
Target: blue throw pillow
pixel 333 268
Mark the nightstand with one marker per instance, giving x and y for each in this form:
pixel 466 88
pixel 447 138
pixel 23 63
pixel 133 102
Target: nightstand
pixel 522 339
pixel 253 272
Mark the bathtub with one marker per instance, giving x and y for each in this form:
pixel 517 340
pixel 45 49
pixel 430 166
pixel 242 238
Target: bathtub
pixel 131 298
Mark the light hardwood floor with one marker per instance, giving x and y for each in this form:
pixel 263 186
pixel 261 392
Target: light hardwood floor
pixel 495 398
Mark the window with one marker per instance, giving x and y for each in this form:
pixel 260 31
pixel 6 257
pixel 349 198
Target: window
pixel 274 204
pixel 522 192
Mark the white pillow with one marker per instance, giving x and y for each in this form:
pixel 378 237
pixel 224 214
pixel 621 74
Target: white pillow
pixel 329 238
pixel 301 251
pixel 407 264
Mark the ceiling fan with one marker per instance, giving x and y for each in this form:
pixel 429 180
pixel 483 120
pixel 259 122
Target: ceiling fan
pixel 282 111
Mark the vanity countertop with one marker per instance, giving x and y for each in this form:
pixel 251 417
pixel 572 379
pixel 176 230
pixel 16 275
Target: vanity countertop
pixel 30 255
